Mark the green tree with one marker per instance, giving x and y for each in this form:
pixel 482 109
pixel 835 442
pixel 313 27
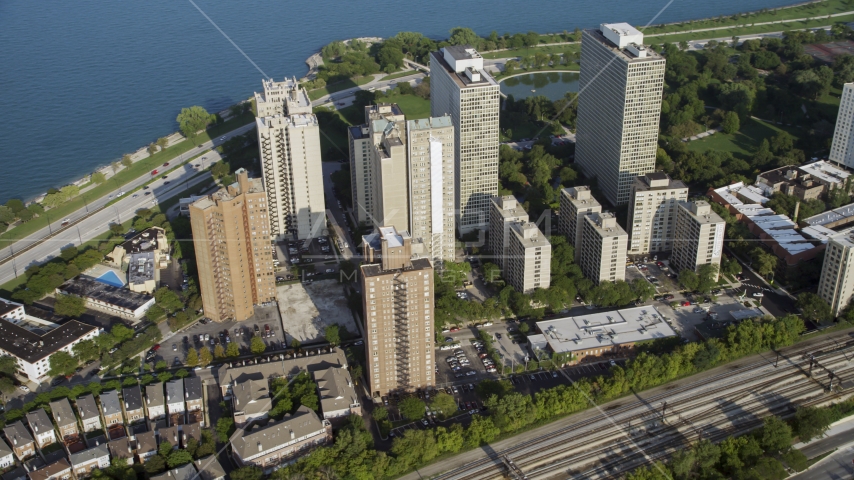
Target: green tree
pixel 224 429
pixel 813 307
pixel 332 335
pixel 481 430
pixel 155 464
pixel 444 403
pixel 730 123
pixel 127 160
pixel 205 357
pixel 121 333
pixel 178 458
pixel 182 373
pixel 764 262
pixel 219 351
pixel 380 414
pixel 689 279
pixel 247 473
pixel 775 436
pixel 98 178
pixel 257 346
pixel 233 350
pixel 69 306
pixel 164 449
pixel 162 142
pixel 192 357
pixel 62 363
pixel 193 120
pixel 8 365
pixel 512 412
pixel 412 408
pixel 86 351
pixel 811 422
pixel 7 386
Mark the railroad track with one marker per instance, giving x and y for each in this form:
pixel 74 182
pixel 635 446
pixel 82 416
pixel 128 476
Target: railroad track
pixel 794 360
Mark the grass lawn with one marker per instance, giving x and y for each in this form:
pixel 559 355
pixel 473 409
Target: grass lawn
pixel 743 31
pixel 338 86
pixel 414 107
pixel 521 52
pixel 826 7
pixel 525 130
pixel 404 73
pixel 743 143
pixel 124 176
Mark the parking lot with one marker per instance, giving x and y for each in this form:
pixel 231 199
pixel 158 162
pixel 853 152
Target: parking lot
pixel 208 334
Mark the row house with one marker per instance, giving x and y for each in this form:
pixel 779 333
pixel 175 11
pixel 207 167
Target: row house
pixel 20 439
pixel 279 442
pixel 146 446
pixel 175 397
pixel 184 472
pixel 169 434
pixel 66 420
pixel 7 456
pixel 121 448
pixel 42 427
pixel 155 402
pixel 90 415
pixel 209 468
pixel 134 410
pixel 193 397
pixel 83 463
pixel 111 408
pixel 59 470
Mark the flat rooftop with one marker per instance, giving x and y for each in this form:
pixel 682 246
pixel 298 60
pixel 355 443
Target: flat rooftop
pixel 630 325
pixel 651 56
pixel 95 290
pixel 32 347
pixel 429 123
pixel 374 270
pixel 460 79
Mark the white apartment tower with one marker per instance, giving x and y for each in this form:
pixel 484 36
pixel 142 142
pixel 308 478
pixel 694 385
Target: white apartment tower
pixel 842 149
pixel 652 212
pixel 836 285
pixel 431 186
pixel 289 146
pixel 618 109
pixel 460 87
pixel 503 212
pixel 362 140
pixel 528 265
pixel 603 248
pixel 575 204
pixel 698 238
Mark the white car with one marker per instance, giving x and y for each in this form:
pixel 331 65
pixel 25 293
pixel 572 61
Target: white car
pixel 330 270
pixel 25 388
pixel 120 194
pixel 758 294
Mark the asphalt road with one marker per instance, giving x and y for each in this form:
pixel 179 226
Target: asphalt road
pixel 836 466
pixel 336 214
pixel 176 182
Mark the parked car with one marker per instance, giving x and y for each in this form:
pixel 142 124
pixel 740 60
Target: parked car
pixel 758 294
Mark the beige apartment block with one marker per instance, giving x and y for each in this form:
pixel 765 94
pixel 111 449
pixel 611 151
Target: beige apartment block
pixel 836 285
pixel 698 238
pixel 842 148
pixel 603 248
pixel 289 146
pixel 504 211
pixel 575 203
pixel 391 182
pixel 618 114
pixel 362 139
pixel 431 186
pixel 397 294
pixel 462 89
pixel 529 262
pixel 231 236
pixel 652 212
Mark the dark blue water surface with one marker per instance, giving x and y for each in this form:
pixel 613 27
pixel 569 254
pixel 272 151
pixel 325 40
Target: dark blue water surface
pixel 85 81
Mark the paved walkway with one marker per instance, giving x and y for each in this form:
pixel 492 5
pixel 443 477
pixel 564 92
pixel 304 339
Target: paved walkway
pixel 705 134
pixel 750 25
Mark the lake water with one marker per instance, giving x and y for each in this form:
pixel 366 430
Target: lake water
pixel 552 85
pixel 83 82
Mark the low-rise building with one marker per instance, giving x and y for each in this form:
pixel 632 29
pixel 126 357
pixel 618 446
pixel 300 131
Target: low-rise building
pixel 528 265
pixel 790 181
pixel 155 401
pixel 20 439
pixel 184 472
pixel 105 298
pixel 193 394
pixel 111 408
pixel 169 434
pixel 338 397
pixel 575 203
pixel 250 401
pixel 31 341
pixel 42 427
pixel 604 334
pixel 7 456
pixel 121 448
pixel 134 410
pixel 145 255
pixel 146 446
pixel 189 432
pixel 60 470
pixel 603 248
pixel 289 367
pixel 90 415
pixel 699 237
pixel 209 468
pixel 85 462
pixel 175 397
pixel 279 442
pixel 66 420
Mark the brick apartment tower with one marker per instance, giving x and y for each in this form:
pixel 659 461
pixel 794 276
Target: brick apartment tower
pixel 231 235
pixel 397 294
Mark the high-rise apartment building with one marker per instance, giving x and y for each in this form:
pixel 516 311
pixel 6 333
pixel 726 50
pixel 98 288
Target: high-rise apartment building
pixel 289 146
pixel 391 182
pixel 836 285
pixel 618 108
pixel 652 212
pixel 528 266
pixel 842 148
pixel 459 87
pixel 431 186
pixel 503 212
pixel 231 237
pixel 397 294
pixel 603 248
pixel 362 140
pixel 698 238
pixel 575 204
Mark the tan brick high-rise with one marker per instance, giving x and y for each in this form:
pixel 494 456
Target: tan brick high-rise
pixel 397 294
pixel 231 235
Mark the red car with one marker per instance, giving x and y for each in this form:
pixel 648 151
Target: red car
pixel 153 172
pixel 455 329
pixel 155 348
pixel 686 303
